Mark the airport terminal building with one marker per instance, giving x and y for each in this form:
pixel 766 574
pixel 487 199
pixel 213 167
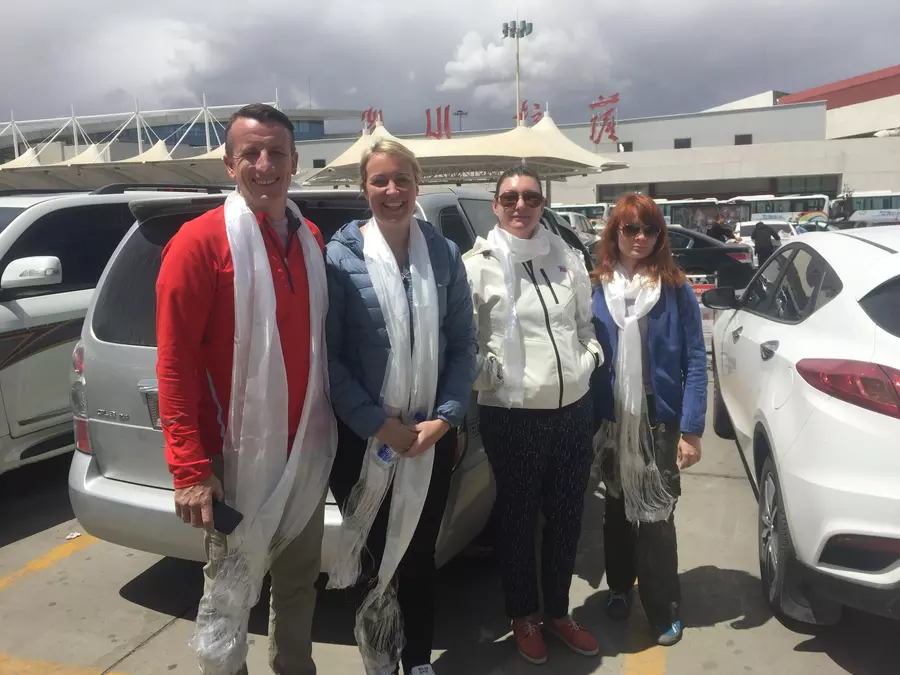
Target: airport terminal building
pixel 827 140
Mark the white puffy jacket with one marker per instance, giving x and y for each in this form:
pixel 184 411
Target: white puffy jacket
pixel 560 346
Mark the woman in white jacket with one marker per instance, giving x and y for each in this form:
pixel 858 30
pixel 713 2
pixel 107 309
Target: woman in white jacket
pixel 537 350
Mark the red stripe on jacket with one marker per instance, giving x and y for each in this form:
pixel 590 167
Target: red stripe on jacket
pixel 195 337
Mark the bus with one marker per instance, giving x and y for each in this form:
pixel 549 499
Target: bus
pixel 701 214
pixel 797 209
pixel 881 206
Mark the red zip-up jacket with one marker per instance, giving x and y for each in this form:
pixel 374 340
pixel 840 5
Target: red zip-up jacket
pixel 195 336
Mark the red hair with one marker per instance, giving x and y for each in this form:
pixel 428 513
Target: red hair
pixel 635 208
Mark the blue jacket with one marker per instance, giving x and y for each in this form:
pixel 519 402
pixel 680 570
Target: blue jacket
pixel 357 339
pixel 677 358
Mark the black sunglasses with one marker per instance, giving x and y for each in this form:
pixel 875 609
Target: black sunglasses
pixel 633 229
pixel 531 198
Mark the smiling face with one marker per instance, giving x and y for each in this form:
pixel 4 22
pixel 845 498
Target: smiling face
pixel 391 189
pixel 263 161
pixel 519 205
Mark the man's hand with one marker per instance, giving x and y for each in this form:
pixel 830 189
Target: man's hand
pixel 193 504
pixel 397 435
pixel 429 434
pixel 688 450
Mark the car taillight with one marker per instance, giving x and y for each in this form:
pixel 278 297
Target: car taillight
pixel 867 385
pixel 79 400
pixel 741 257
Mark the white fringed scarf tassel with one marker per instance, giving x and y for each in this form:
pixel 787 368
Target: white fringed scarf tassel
pixel 408 393
pixel 646 496
pixel 277 493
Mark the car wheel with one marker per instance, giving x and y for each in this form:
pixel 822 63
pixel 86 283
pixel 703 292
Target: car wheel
pixel 774 539
pixel 721 420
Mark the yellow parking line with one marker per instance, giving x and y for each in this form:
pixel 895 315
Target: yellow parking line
pixel 640 659
pixel 11 665
pixel 50 558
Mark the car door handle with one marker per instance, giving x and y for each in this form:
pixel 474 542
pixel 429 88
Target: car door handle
pixel 736 333
pixel 767 349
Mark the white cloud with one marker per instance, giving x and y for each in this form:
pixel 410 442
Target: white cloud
pixel 663 57
pixel 554 63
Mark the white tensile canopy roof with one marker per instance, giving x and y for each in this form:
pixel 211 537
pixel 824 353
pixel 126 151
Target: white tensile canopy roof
pixel 478 158
pixel 472 159
pixel 27 158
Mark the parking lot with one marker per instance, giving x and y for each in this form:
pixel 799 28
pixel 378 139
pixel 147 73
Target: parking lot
pixel 79 606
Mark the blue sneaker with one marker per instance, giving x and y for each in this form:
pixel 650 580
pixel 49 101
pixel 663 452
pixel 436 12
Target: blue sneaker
pixel 666 636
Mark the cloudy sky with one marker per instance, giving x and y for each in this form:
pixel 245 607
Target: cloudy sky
pixel 404 56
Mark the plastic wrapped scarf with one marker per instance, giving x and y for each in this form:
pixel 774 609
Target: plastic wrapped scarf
pixel 646 496
pixel 277 494
pixel 511 251
pixel 408 393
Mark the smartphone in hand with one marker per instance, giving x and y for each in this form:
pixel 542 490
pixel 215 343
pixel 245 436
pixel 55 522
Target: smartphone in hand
pixel 225 518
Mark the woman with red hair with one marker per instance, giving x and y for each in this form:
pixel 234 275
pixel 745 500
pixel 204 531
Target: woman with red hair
pixel 651 397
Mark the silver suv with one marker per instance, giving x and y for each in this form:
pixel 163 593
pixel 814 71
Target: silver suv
pixel 119 484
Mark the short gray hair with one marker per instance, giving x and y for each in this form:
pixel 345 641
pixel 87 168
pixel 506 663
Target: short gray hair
pixel 387 146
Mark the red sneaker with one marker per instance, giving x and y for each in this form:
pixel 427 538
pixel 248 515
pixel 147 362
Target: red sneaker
pixel 576 638
pixel 530 641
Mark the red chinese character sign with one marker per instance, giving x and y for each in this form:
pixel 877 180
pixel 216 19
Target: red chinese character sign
pixel 536 113
pixel 442 123
pixel 604 118
pixel 370 117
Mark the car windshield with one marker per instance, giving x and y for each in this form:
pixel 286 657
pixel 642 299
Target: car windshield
pixel 7 215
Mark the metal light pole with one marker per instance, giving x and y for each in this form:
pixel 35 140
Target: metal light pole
pixel 460 114
pixel 517 30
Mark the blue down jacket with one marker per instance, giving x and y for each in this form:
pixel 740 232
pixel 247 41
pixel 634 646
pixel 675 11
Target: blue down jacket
pixel 357 339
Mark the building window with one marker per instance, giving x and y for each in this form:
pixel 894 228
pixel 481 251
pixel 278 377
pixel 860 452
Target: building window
pixel 743 139
pixel 318 163
pixel 682 143
pixel 626 146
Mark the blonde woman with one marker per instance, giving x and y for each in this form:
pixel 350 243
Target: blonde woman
pixel 401 351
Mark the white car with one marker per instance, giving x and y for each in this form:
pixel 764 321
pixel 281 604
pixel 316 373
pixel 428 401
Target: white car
pixel 807 380
pixel 53 248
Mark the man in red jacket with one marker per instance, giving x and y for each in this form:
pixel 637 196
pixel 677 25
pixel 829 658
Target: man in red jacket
pixel 196 340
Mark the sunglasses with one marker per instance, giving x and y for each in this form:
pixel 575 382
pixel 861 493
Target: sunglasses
pixel 531 198
pixel 634 229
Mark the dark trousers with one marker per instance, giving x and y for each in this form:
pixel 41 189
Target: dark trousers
pixel 648 552
pixel 763 254
pixel 416 573
pixel 541 461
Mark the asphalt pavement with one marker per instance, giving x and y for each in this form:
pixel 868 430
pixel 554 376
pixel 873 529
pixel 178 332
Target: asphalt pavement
pixel 73 605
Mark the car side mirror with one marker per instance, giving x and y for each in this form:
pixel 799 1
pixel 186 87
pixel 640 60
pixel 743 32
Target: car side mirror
pixel 41 270
pixel 720 298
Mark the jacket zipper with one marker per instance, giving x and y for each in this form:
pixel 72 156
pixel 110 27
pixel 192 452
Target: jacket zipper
pixel 549 285
pixel 529 269
pixel 277 244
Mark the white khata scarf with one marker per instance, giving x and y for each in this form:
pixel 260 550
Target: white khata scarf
pixel 647 499
pixel 511 251
pixel 408 392
pixel 276 493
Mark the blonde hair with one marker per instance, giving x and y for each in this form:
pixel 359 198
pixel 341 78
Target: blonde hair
pixel 386 146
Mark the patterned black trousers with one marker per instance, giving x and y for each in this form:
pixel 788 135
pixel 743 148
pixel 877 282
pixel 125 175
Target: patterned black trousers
pixel 541 461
